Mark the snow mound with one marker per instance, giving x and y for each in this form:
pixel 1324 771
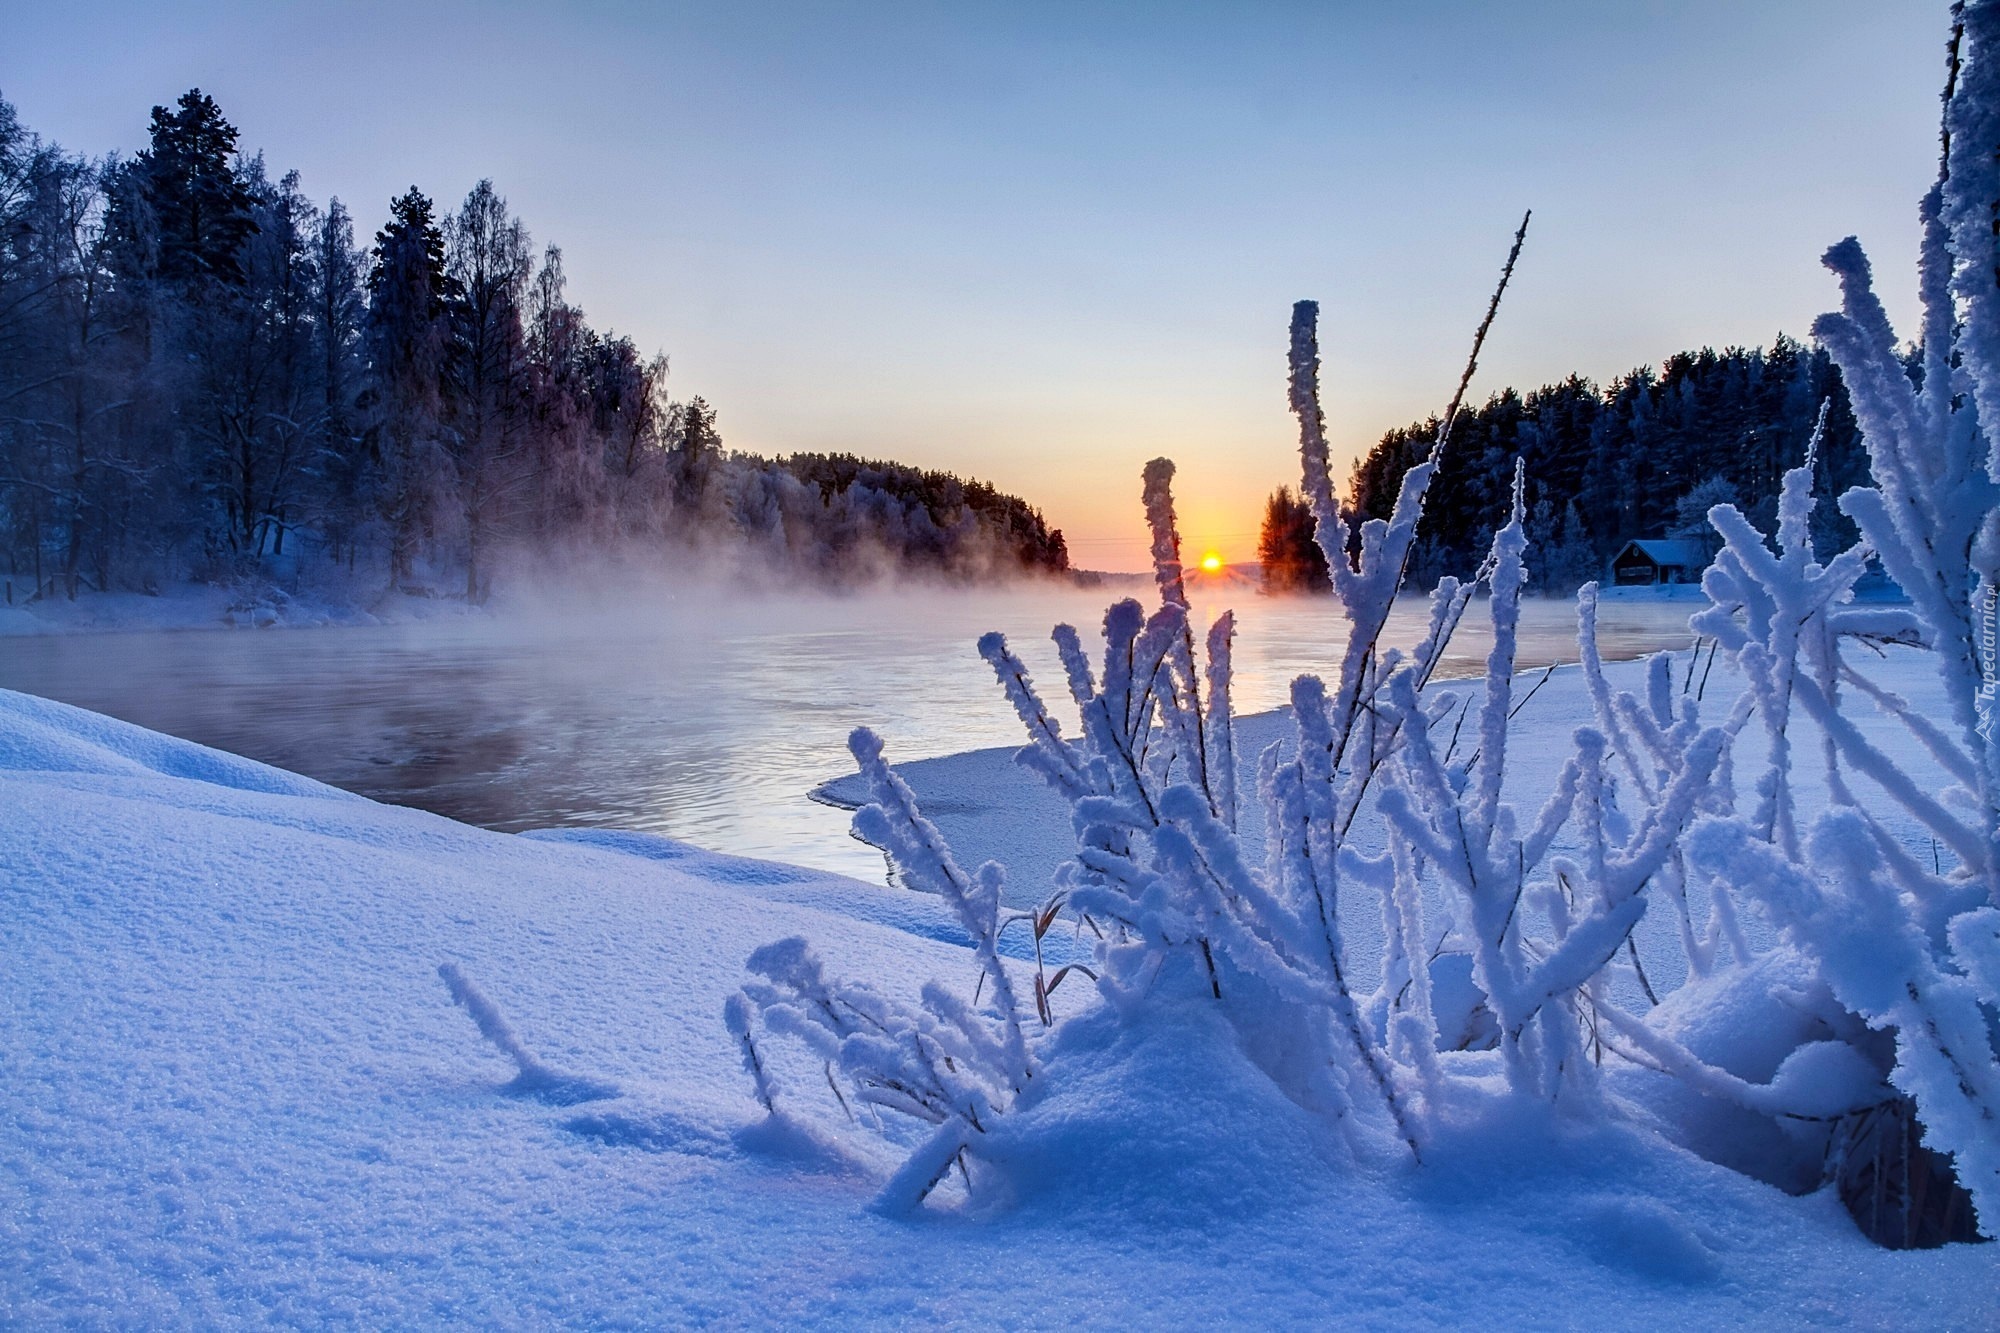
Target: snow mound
pixel 40 736
pixel 1161 1123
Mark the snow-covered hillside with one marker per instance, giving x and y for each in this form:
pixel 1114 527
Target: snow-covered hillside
pixel 237 1090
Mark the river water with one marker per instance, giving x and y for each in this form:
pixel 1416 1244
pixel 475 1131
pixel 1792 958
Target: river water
pixel 703 716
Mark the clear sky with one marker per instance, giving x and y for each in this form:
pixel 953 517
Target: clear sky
pixel 1043 242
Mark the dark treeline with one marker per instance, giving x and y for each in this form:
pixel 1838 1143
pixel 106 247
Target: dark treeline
pixel 924 517
pixel 1646 456
pixel 204 374
pixel 1286 549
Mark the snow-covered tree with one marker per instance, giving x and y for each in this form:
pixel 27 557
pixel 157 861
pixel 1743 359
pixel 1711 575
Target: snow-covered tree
pixel 490 263
pixel 1691 514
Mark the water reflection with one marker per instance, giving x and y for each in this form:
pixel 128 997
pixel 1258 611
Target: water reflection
pixel 703 718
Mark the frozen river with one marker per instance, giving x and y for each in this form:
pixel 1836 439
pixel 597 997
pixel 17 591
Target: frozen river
pixel 703 717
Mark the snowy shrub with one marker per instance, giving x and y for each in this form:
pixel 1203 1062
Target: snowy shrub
pixel 1162 881
pixel 1853 1016
pixel 1904 947
pixel 942 1063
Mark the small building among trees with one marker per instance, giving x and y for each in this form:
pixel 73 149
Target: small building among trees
pixel 1653 562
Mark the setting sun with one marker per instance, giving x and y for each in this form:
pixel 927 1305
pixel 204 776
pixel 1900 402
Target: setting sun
pixel 1211 562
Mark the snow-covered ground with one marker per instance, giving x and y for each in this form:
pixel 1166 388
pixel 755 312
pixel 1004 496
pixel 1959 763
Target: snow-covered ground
pixel 990 807
pixel 237 1090
pixel 209 606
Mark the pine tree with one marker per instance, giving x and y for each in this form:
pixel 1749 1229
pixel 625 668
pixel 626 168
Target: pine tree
pixel 189 213
pixel 1291 559
pixel 697 445
pixel 408 296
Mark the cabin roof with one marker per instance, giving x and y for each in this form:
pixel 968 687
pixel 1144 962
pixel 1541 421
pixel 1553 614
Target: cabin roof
pixel 1667 550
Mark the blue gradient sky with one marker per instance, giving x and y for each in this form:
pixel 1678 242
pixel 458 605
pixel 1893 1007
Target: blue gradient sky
pixel 1042 243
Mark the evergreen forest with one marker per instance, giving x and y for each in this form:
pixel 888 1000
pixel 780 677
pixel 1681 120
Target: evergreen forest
pixel 205 375
pixel 1646 456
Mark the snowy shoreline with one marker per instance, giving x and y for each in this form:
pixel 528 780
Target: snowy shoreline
pixel 239 1092
pixel 207 607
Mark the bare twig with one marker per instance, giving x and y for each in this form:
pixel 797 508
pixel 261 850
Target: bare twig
pixel 1479 340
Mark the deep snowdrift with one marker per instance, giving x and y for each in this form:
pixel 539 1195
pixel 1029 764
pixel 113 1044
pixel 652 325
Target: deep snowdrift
pixel 237 1090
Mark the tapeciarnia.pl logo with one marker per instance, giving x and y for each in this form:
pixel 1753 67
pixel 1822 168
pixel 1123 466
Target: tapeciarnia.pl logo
pixel 1988 608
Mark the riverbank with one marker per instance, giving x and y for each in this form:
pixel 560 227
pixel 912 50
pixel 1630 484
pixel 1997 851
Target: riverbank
pixel 204 606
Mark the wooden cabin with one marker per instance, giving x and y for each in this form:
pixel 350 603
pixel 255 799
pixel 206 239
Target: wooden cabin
pixel 1659 562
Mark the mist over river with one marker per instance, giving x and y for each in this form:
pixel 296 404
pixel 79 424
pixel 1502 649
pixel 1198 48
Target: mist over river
pixel 702 716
